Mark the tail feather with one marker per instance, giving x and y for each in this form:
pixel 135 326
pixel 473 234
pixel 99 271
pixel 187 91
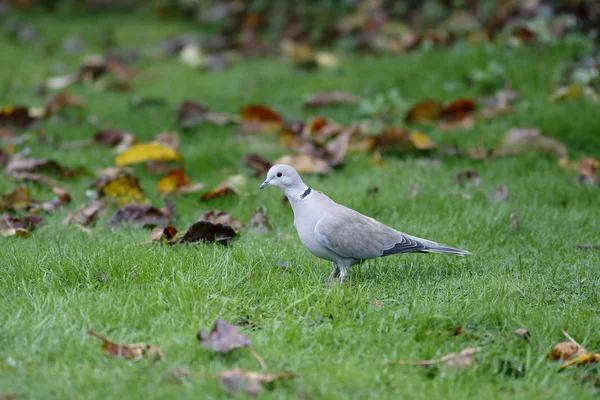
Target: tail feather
pixel 412 244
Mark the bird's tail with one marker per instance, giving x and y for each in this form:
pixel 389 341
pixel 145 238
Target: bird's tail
pixel 413 244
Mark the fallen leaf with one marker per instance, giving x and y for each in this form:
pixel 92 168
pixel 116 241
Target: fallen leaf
pixel 165 234
pixel 261 118
pixel 523 333
pixel 168 138
pixel 223 337
pixel 62 198
pixel 61 101
pixel 582 359
pixel 425 112
pixel 305 163
pixel 587 171
pixel 130 351
pixel 192 113
pixel 259 222
pixel 330 98
pixel 28 222
pixel 16 116
pixel 115 138
pixel 30 165
pixel 177 182
pixel 61 82
pixel 467 176
pixel 260 164
pixel 205 231
pixel 458 110
pixel 17 232
pixel 240 380
pixel 152 151
pixel 229 186
pixel 221 217
pixel 526 140
pixel 500 194
pixel 570 92
pixel 478 153
pixel 567 350
pixel 121 190
pixel 398 140
pixel 499 103
pixel 139 215
pixel 464 359
pixel 87 214
pixel 18 198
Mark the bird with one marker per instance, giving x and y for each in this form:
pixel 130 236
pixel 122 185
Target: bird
pixel 340 234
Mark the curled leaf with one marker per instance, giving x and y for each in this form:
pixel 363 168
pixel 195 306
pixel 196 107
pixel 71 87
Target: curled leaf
pixel 141 215
pixel 130 351
pixel 86 215
pixel 223 337
pixel 221 217
pixel 206 232
pixel 152 151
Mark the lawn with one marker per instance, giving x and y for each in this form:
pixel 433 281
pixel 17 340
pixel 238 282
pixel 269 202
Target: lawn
pixel 338 339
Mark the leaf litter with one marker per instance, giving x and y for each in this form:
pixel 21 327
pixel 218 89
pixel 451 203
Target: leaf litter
pixel 130 351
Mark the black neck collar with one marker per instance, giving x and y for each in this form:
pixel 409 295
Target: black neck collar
pixel 306 193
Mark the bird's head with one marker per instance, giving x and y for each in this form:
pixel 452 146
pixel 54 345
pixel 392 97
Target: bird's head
pixel 284 177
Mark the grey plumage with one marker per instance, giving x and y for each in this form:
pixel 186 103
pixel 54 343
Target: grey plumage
pixel 337 233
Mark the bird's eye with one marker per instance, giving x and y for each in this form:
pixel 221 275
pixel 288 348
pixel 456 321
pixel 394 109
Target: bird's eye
pixel 279 174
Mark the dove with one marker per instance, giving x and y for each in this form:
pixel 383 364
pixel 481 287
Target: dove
pixel 339 234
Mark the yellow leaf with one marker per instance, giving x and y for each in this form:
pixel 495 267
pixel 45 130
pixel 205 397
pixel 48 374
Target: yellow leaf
pixel 152 151
pixel 582 359
pixel 123 190
pixel 421 141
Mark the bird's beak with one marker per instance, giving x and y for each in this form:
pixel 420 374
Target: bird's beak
pixel 264 184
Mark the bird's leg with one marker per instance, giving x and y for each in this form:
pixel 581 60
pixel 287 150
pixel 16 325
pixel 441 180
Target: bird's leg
pixel 335 272
pixel 343 272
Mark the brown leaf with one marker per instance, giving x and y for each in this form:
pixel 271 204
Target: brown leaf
pixel 500 194
pixel 564 350
pixel 478 153
pixel 192 113
pixel 160 234
pixel 458 110
pixel 330 98
pixel 230 186
pixel 63 100
pixel 587 171
pixel 86 215
pixel 18 198
pixel 139 215
pixel 27 165
pixel 168 138
pixel 261 116
pixel 177 182
pixel 62 198
pixel 398 140
pixel 241 380
pixel 28 222
pixel 223 337
pixel 121 189
pixel 221 217
pixel 523 333
pixel 16 116
pixel 467 176
pixel 305 163
pixel 499 103
pixel 259 222
pixel 528 140
pixel 461 360
pixel 425 112
pixel 260 164
pixel 114 137
pixel 18 232
pixel 130 351
pixel 205 231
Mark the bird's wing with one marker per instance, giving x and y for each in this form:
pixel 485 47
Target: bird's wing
pixel 352 235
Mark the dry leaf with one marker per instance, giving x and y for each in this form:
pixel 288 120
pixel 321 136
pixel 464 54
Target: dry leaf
pixel 139 215
pixel 18 198
pixel 205 231
pixel 121 190
pixel 16 116
pixel 168 138
pixel 63 100
pixel 425 112
pixel 514 222
pixel 115 138
pixel 305 163
pixel 527 140
pixel 500 194
pixel 499 103
pixel 86 215
pixel 458 110
pixel 179 375
pixel 229 186
pixel 462 360
pixel 330 98
pixel 28 222
pixel 152 151
pixel 564 350
pixel 523 333
pixel 398 140
pixel 259 222
pixel 17 232
pixel 582 359
pixel 587 171
pixel 241 380
pixel 130 351
pixel 467 176
pixel 221 217
pixel 260 164
pixel 177 182
pixel 223 337
pixel 18 165
pixel 260 118
pixel 160 234
pixel 192 113
pixel 62 198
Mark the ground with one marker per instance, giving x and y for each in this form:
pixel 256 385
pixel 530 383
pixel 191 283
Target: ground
pixel 339 339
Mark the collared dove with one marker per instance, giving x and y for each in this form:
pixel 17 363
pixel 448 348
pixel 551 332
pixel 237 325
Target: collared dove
pixel 339 234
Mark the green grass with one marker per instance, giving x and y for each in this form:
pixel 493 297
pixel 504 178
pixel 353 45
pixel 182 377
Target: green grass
pixel 333 337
